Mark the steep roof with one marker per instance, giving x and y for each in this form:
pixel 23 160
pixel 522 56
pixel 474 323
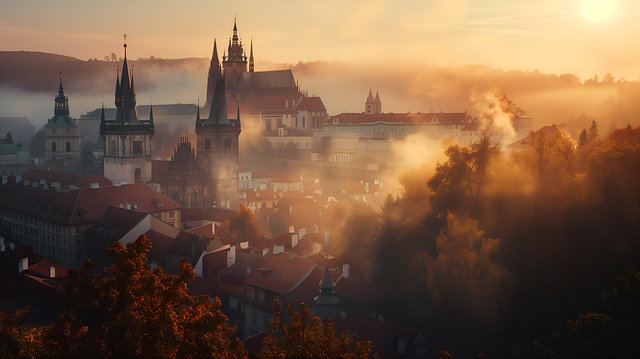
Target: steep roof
pixel 381 334
pixel 281 273
pixel 267 79
pixel 114 224
pixel 311 104
pixel 8 124
pixel 287 178
pixel 547 131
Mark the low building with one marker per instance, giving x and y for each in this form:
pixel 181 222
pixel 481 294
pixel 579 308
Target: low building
pixel 14 160
pixel 20 128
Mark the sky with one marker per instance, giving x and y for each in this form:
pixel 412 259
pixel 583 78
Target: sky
pixel 549 35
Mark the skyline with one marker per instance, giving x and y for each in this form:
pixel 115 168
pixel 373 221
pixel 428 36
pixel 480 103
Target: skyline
pixel 552 37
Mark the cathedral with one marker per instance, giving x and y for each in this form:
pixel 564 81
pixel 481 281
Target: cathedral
pixel 127 150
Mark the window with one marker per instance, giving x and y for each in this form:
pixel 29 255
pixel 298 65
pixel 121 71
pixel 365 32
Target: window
pixel 304 122
pixel 254 317
pixel 53 147
pixel 261 296
pixel 252 293
pixel 67 131
pixel 137 148
pixel 137 176
pixel 268 124
pixel 266 321
pixel 171 214
pixel 68 146
pixel 227 144
pixel 207 145
pixel 78 243
pixel 53 130
pixel 113 149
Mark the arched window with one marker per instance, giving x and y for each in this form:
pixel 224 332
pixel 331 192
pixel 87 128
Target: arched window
pixel 137 175
pixel 304 121
pixel 113 148
pixel 53 147
pixel 68 146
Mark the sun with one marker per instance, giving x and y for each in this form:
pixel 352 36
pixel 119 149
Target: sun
pixel 598 10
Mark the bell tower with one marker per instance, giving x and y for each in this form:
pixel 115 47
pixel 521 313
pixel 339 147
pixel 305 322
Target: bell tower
pixel 127 139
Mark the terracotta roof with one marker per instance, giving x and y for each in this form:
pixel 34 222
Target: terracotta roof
pixel 267 173
pixel 353 188
pixel 451 118
pixel 192 214
pixel 65 178
pixel 281 273
pixel 287 178
pixel 548 131
pixel 243 168
pixel 186 239
pixel 204 230
pixel 215 214
pixel 212 263
pixel 262 195
pixel 83 205
pixel 311 104
pixel 224 238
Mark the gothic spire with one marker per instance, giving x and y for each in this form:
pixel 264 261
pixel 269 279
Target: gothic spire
pixel 103 120
pixel 151 114
pixel 377 100
pixel 251 64
pixel 129 111
pixel 198 111
pixel 235 31
pixel 370 97
pixel 215 73
pixel 218 111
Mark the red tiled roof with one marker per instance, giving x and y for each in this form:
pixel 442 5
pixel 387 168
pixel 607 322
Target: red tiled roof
pixel 113 225
pixel 204 230
pixel 216 214
pixel 262 103
pixel 452 118
pixel 280 273
pixel 353 188
pixel 192 214
pixel 267 173
pixel 311 104
pixel 65 178
pixel 262 195
pixel 287 178
pixel 309 288
pixel 548 131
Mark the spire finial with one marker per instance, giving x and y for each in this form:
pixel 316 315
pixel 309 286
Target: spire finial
pixel 125 39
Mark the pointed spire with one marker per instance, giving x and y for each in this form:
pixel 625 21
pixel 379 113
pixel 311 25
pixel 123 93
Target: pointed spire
pixel 103 120
pixel 129 111
pixel 215 72
pixel 377 100
pixel 326 283
pixel 235 31
pixel 251 64
pixel 218 111
pixel 238 115
pixel 151 113
pixel 370 97
pixel 61 107
pixel 198 109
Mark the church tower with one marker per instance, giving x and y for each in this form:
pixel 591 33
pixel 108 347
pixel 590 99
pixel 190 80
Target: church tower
pixel 218 152
pixel 373 106
pixel 327 304
pixel 215 73
pixel 61 131
pixel 127 139
pixel 234 64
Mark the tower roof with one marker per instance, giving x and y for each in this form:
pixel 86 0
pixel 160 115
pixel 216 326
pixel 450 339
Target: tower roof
pixel 61 116
pixel 215 73
pixel 218 112
pixel 370 97
pixel 377 99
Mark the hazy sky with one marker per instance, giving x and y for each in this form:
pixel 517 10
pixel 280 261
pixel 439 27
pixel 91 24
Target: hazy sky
pixel 554 36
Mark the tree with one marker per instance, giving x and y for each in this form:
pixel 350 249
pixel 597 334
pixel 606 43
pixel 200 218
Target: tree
pixel 592 134
pixel 17 340
pixel 583 139
pixel 358 235
pixel 537 160
pixel 305 336
pixel 458 183
pixel 144 313
pixel 243 225
pixel 464 284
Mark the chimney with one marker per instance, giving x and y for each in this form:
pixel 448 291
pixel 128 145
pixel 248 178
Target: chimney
pixel 94 185
pixel 343 314
pixel 326 239
pixel 128 206
pixel 153 265
pixel 317 180
pixel 42 181
pixel 294 240
pixel 52 272
pixel 346 271
pixel 278 249
pixel 248 270
pixel 12 245
pixel 303 232
pixel 292 229
pixel 23 264
pixel 380 318
pixel 34 184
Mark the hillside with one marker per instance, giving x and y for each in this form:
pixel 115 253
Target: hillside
pixel 32 57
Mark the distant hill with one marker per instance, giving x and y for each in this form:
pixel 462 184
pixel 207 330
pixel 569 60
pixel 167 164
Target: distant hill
pixel 32 57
